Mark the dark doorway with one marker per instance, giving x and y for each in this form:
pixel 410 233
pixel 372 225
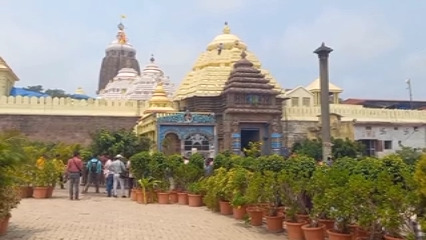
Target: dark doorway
pixel 249 135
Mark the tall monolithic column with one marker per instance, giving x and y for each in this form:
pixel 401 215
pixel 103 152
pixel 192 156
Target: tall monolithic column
pixel 323 52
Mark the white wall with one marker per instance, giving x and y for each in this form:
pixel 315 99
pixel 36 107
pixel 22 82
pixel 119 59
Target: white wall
pixel 409 135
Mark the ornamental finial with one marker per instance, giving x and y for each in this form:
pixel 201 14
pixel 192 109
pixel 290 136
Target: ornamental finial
pixel 152 59
pixel 226 29
pixel 121 35
pixel 243 54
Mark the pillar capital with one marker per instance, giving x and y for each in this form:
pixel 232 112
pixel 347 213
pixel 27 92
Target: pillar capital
pixel 323 51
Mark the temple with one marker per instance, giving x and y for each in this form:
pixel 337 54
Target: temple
pixel 225 101
pixel 128 84
pixel 119 54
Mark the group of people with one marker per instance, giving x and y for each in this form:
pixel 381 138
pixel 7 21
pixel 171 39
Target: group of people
pixel 115 172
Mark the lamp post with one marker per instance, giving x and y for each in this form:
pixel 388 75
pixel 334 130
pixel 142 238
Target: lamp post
pixel 408 81
pixel 323 52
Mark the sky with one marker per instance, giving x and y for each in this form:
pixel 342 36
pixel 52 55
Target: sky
pixel 377 44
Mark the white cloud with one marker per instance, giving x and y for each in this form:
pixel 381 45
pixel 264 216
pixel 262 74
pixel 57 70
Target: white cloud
pixel 358 36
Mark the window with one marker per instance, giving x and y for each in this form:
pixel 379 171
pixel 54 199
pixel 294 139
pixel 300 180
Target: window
pixel 198 141
pixel 388 145
pixel 368 128
pixel 306 101
pixel 295 101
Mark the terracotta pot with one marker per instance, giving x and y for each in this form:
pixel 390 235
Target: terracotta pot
pixel 256 215
pixel 332 235
pixel 328 224
pixel 194 200
pixel 294 230
pixel 275 223
pixel 4 224
pixel 49 192
pixel 314 233
pixel 225 208
pixel 173 197
pixel 139 196
pixel 133 194
pixel 24 192
pixel 163 198
pixel 183 198
pixel 387 237
pixel 40 192
pixel 30 191
pixel 239 212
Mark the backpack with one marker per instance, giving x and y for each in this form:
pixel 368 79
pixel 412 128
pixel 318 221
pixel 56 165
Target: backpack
pixel 94 166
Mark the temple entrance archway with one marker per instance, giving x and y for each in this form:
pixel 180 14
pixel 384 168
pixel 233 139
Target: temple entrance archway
pixel 171 144
pixel 249 135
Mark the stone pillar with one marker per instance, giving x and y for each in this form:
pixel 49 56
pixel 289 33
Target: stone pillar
pixel 323 53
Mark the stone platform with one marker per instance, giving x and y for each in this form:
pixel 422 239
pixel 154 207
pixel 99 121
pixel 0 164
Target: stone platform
pixel 97 217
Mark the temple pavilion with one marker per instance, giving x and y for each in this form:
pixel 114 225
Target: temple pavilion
pixel 224 102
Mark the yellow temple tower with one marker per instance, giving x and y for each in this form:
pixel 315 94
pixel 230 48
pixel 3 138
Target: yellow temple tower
pixel 159 104
pixel 213 67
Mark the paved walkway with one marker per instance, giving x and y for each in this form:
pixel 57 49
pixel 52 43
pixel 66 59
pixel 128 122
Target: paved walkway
pixel 98 217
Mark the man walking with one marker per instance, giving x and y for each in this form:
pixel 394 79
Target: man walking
pixel 118 168
pixel 94 169
pixel 74 170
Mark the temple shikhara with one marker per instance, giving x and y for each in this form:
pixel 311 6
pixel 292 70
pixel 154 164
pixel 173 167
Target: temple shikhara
pixel 226 100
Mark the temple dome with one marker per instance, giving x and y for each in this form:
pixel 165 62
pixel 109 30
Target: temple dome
pixel 144 87
pixel 121 42
pixel 118 86
pixel 159 101
pixel 227 39
pixel 212 68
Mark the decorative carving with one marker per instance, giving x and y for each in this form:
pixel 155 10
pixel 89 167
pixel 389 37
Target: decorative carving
pixel 234 127
pixel 187 117
pixel 185 131
pixel 275 126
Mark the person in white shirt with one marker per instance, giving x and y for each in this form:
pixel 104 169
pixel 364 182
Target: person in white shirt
pixel 117 167
pixel 109 176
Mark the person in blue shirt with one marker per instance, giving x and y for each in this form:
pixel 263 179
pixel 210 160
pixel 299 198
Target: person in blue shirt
pixel 94 169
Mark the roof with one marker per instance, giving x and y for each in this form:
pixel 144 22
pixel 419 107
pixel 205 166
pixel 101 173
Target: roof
pixel 5 67
pixel 290 91
pixel 213 67
pixel 26 93
pixel 315 86
pixel 389 104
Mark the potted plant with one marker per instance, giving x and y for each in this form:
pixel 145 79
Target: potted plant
pixel 9 199
pixel 195 190
pixel 238 181
pixel 339 201
pixel 147 185
pixel 254 196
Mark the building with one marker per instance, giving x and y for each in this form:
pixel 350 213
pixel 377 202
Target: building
pixel 128 84
pixel 225 101
pixel 118 55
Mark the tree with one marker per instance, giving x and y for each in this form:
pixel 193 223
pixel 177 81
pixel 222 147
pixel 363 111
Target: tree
pixel 56 93
pixel 122 141
pixel 341 148
pixel 36 88
pixel 409 155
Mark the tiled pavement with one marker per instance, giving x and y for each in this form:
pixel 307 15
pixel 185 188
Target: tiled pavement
pixel 98 217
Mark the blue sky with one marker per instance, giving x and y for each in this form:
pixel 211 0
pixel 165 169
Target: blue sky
pixel 377 44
